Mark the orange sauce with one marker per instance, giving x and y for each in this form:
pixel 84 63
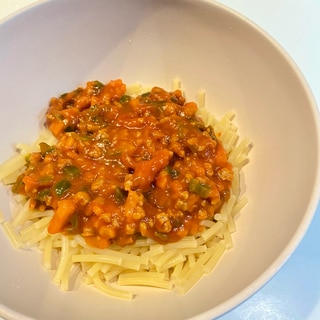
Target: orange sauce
pixel 125 167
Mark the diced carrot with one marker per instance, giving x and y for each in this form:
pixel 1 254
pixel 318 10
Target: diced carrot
pixel 65 210
pixel 30 184
pixel 97 242
pixel 220 156
pixel 56 128
pixel 146 171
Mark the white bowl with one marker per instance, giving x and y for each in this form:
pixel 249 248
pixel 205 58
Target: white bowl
pixel 57 45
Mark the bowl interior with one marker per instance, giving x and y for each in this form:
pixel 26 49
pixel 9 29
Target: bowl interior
pixel 58 45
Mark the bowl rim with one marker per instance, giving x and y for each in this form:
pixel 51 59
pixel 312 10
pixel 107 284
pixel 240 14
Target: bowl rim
pixel 310 210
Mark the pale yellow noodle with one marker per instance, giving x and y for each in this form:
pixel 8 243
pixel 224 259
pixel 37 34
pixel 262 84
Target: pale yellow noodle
pixel 111 291
pixel 11 165
pixel 152 279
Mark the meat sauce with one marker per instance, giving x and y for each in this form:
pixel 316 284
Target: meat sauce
pixel 125 166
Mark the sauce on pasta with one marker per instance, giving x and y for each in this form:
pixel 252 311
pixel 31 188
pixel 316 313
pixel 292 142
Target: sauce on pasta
pixel 126 166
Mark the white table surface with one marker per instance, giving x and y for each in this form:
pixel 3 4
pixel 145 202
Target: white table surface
pixel 294 293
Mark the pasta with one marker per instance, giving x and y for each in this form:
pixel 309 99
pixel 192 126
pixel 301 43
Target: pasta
pixel 167 266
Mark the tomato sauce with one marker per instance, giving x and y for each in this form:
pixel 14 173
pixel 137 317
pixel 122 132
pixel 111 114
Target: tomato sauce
pixel 125 166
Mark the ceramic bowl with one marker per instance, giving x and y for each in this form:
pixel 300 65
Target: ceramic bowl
pixel 55 46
